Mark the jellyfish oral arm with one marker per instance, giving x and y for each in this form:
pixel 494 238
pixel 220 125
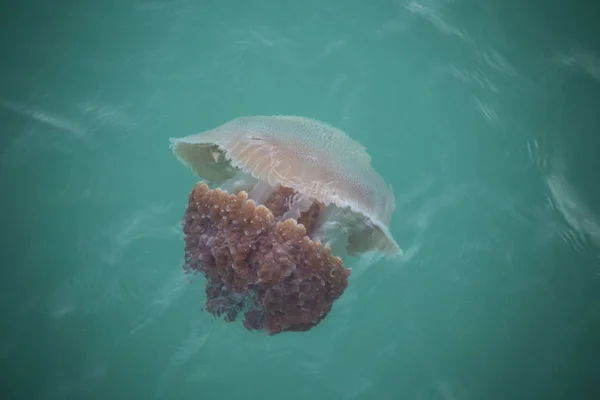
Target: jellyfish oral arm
pixel 261 192
pixel 296 205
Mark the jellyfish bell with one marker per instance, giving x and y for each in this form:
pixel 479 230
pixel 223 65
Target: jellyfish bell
pixel 318 161
pixel 284 200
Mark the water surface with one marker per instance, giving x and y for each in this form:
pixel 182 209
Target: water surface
pixel 481 115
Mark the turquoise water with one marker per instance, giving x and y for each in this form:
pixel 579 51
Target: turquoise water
pixel 481 115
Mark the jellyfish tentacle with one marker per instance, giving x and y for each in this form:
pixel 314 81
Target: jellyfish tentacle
pixel 297 204
pixel 261 192
pixel 240 181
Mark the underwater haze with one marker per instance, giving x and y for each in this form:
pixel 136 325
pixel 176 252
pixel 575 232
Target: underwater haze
pixel 481 115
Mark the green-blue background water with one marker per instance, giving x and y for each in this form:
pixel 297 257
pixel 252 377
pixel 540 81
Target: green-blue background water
pixel 483 116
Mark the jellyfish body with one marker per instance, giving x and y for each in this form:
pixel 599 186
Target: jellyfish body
pixel 287 195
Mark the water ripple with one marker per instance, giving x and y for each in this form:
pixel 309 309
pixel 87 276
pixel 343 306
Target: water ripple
pixel 583 223
pixel 432 11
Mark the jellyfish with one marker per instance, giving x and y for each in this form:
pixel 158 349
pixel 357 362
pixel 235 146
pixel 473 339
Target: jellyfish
pixel 281 202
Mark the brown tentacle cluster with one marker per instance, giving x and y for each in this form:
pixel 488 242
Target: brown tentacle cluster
pixel 271 269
